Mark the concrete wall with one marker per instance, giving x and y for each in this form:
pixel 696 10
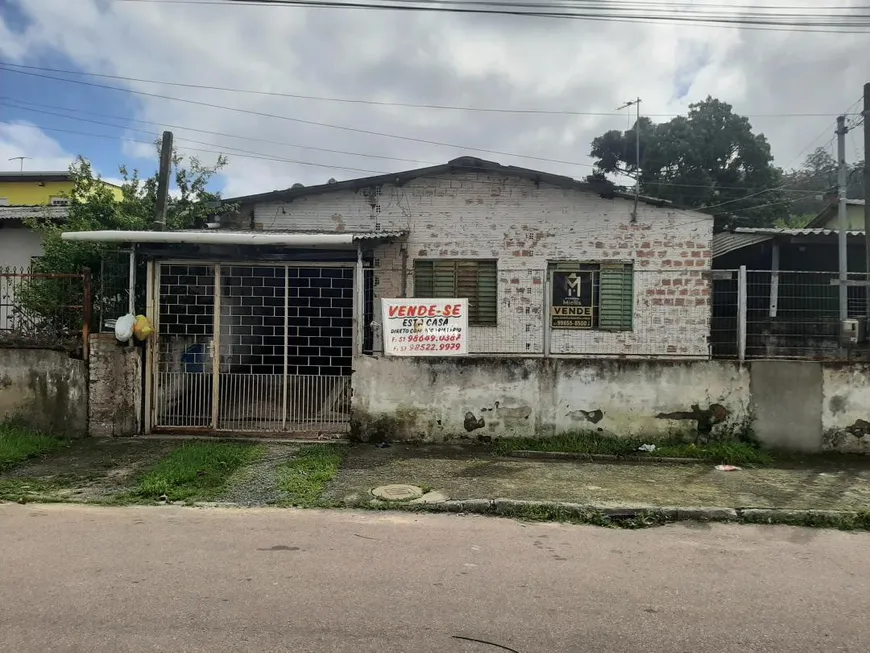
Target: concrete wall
pixel 798 406
pixel 45 388
pixel 435 399
pixel 524 226
pixel 115 383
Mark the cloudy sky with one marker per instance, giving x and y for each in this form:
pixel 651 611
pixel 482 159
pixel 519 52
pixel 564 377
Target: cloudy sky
pixel 394 57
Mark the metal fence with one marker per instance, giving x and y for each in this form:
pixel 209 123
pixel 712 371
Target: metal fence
pixel 668 314
pixel 46 310
pixel 764 314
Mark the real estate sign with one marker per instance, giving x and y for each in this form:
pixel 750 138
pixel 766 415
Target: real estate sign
pixel 572 302
pixel 425 327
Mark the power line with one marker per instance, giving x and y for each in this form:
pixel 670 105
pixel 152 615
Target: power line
pixel 820 23
pixel 299 120
pixel 380 103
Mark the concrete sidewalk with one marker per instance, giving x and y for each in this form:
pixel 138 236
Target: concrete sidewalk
pixel 463 472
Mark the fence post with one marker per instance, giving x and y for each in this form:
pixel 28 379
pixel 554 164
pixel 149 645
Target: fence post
pixel 741 313
pixel 87 310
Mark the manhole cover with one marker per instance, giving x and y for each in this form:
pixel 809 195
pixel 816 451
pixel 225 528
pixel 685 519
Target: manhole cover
pixel 397 492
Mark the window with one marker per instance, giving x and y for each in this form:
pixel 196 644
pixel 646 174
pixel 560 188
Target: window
pixel 592 296
pixel 59 201
pixel 475 280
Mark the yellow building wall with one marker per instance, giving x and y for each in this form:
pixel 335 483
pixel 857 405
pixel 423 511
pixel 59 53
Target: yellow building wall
pixel 31 193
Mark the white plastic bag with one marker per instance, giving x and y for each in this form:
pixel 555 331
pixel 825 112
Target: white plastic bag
pixel 649 448
pixel 124 327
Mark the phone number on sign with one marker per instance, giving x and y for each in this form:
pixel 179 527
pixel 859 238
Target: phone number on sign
pixel 429 346
pixel 430 338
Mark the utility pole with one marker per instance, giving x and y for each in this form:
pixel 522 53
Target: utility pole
pixel 866 115
pixel 163 181
pixel 843 220
pixel 636 104
pixel 20 160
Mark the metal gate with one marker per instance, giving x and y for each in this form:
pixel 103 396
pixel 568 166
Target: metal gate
pixel 251 348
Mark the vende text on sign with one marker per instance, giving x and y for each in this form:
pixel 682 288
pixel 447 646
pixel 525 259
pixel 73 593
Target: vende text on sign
pixel 425 327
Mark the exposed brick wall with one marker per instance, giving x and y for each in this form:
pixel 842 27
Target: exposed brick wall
pixel 524 225
pixel 114 387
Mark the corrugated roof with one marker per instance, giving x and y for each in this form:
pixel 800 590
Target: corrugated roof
pixel 25 212
pixel 805 231
pixel 728 241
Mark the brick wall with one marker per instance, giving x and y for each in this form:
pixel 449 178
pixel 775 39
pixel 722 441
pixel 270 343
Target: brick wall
pixel 525 225
pixel 114 387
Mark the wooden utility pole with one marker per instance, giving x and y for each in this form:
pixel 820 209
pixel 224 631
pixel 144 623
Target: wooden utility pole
pixel 866 115
pixel 163 181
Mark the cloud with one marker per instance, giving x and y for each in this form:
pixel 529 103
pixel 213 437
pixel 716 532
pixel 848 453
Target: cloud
pixel 25 139
pixel 424 58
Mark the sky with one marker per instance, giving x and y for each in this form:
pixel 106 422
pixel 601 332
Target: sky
pixel 394 57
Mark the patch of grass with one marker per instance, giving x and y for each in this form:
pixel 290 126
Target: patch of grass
pixel 19 442
pixel 732 453
pixel 304 478
pixel 196 470
pixel 846 521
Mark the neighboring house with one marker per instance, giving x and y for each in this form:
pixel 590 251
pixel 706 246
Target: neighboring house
pixel 25 195
pixel 828 218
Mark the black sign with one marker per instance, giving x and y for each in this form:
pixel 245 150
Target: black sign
pixel 572 302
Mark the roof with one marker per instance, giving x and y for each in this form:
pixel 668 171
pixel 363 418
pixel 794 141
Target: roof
pixel 826 213
pixel 740 237
pixel 465 163
pixel 35 175
pixel 25 212
pixel 805 231
pixel 227 237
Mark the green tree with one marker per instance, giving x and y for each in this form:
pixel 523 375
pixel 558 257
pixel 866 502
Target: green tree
pixel 709 159
pixel 814 185
pixel 95 206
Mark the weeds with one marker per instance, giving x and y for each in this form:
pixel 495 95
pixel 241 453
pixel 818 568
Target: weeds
pixel 304 478
pixel 19 442
pixel 195 470
pixel 731 453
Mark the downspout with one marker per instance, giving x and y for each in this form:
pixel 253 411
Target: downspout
pixel 404 250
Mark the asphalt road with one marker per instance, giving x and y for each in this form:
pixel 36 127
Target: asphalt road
pixel 75 578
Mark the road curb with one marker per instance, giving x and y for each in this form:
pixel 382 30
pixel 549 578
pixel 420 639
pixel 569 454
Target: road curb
pixel 639 515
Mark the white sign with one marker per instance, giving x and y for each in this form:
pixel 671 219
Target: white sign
pixel 425 327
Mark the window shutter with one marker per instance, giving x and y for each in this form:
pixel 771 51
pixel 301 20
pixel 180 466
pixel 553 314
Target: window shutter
pixel 616 298
pixel 444 279
pixel 424 278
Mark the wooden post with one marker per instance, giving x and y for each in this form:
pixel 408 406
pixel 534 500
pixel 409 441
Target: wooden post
pixel 741 314
pixel 774 279
pixel 163 181
pixel 87 311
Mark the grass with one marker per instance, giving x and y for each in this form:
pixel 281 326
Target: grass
pixel 19 442
pixel 731 453
pixel 196 470
pixel 303 479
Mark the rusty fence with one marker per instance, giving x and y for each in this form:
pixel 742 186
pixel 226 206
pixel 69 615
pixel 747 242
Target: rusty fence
pixel 45 310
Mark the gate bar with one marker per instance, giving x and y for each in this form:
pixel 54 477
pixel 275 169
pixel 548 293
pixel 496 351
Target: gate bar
pixel 216 349
pixel 284 388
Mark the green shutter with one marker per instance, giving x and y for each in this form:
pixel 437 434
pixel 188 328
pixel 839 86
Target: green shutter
pixel 616 297
pixel 424 278
pixel 476 281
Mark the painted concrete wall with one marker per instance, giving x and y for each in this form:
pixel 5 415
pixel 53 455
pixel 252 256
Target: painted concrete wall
pixel 436 399
pixel 798 406
pixel 115 387
pixel 845 409
pixel 524 226
pixel 787 404
pixel 45 388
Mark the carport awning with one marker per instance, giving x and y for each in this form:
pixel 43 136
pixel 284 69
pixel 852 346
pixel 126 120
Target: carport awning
pixel 222 237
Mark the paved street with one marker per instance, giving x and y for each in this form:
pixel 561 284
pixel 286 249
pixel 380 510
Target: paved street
pixel 78 578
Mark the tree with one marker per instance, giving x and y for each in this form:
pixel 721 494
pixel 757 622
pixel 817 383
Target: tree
pixel 814 185
pixel 94 206
pixel 709 160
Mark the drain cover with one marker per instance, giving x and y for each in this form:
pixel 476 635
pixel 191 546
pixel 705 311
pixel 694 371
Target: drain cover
pixel 397 492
